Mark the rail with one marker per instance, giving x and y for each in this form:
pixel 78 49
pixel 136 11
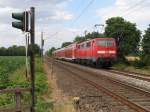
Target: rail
pixel 119 98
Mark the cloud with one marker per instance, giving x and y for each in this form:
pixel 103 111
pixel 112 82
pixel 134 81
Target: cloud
pixel 136 11
pixel 63 35
pixel 56 17
pixel 47 12
pixel 63 15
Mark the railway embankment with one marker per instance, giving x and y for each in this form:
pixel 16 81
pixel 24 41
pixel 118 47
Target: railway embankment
pixel 61 102
pixel 97 92
pixel 125 79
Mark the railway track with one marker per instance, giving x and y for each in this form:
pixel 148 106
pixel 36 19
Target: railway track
pixel 140 76
pixel 144 77
pixel 136 99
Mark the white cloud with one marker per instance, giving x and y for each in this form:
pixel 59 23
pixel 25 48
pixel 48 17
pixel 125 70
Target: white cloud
pixel 63 35
pixel 56 16
pixel 136 11
pixel 47 12
pixel 63 15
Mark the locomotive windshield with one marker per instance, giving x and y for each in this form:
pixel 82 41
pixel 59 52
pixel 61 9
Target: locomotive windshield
pixel 105 42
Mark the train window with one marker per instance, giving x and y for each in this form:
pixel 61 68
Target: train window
pixel 88 44
pixel 82 46
pixel 110 43
pixel 105 42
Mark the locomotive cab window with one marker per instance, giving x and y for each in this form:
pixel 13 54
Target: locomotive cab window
pixel 82 46
pixel 105 42
pixel 88 44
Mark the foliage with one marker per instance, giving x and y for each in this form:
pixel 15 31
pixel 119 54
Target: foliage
pixel 41 86
pixel 93 35
pixel 64 44
pixel 41 106
pixel 17 50
pixel 146 46
pixel 7 66
pixel 137 63
pixel 16 76
pixel 50 51
pixel 88 36
pixel 79 39
pixel 126 34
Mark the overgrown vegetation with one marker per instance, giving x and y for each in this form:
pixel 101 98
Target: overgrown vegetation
pixel 14 75
pixel 17 50
pixel 7 66
pixel 126 34
pixel 146 47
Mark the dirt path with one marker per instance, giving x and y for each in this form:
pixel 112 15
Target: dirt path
pixel 62 103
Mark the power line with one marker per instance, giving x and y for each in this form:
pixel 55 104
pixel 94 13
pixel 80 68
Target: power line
pixel 83 11
pixel 133 7
pixel 78 17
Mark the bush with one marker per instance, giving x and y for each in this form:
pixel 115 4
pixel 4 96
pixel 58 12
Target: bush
pixel 138 63
pixel 42 106
pixel 146 59
pixel 41 84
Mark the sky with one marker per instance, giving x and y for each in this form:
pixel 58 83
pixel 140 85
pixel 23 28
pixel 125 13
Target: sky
pixel 62 20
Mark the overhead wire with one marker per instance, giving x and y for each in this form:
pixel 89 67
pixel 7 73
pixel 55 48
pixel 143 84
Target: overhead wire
pixel 134 7
pixel 82 12
pixel 78 17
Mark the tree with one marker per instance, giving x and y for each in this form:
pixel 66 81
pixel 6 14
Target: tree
pixel 50 51
pixel 17 50
pixel 88 36
pixel 79 39
pixel 93 35
pixel 36 49
pixel 126 35
pixel 64 44
pixel 146 46
pixel 3 51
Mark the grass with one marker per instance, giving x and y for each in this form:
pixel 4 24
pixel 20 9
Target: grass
pixel 17 76
pixel 143 70
pixel 64 108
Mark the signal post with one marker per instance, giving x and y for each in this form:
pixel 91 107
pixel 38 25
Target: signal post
pixel 22 23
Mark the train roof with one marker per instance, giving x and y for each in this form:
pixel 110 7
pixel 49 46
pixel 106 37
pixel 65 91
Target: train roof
pixel 103 38
pixel 60 49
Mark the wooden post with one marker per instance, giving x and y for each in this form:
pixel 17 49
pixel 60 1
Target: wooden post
pixel 18 99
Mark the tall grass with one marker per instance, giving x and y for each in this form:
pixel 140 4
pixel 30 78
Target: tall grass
pixel 13 74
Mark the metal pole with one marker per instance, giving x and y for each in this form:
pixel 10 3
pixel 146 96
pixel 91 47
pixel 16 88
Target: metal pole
pixel 42 46
pixel 32 63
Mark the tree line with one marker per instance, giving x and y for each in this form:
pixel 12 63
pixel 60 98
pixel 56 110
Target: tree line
pixel 129 39
pixel 17 50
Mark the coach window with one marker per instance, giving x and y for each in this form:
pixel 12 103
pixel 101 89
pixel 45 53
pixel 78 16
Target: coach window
pixel 88 44
pixel 82 46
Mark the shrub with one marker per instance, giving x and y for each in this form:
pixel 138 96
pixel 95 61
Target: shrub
pixel 138 63
pixel 146 59
pixel 41 83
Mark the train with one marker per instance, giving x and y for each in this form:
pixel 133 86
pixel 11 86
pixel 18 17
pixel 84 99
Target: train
pixel 99 52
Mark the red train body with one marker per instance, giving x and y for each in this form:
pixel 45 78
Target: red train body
pixel 98 51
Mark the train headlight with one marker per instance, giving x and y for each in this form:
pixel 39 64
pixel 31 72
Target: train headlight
pixel 101 52
pixel 112 52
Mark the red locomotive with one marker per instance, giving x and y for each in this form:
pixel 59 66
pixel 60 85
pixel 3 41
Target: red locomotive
pixel 98 51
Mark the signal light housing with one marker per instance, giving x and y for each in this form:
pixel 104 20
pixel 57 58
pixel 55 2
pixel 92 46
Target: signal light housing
pixel 22 21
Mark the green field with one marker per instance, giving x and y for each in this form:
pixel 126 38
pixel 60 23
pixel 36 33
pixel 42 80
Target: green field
pixel 13 73
pixel 8 65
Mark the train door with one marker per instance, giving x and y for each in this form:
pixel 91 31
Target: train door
pixel 92 48
pixel 74 51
